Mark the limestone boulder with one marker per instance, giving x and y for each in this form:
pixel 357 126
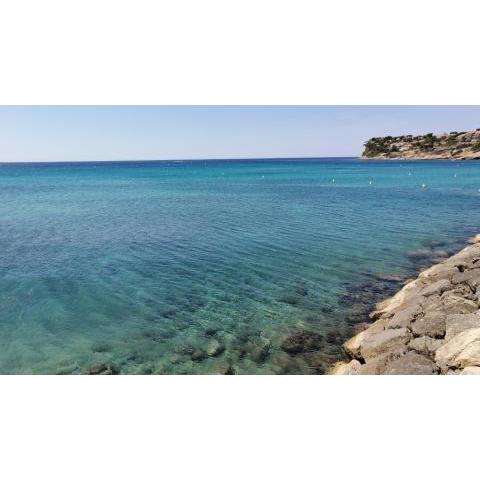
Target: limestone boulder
pixel 470 277
pixel 463 350
pixel 425 345
pixel 455 304
pixel 382 342
pixel 436 288
pixel 378 365
pixel 431 324
pixel 405 317
pixel 412 363
pixel 343 368
pixel 456 323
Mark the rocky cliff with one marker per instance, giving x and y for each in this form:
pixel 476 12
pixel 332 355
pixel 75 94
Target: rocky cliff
pixel 453 145
pixel 431 326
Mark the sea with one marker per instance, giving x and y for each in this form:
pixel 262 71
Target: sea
pixel 256 266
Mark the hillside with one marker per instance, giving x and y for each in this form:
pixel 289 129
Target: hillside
pixel 454 145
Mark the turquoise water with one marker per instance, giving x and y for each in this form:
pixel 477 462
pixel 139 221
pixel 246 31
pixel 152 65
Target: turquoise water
pixel 208 267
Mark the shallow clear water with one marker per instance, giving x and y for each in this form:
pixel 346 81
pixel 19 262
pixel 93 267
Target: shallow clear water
pixel 146 266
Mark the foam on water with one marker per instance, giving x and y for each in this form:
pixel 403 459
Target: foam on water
pixel 150 266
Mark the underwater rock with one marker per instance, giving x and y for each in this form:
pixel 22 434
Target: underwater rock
pixel 259 353
pixel 215 348
pixel 334 337
pixel 301 290
pixel 301 342
pixel 102 369
pixel 186 350
pixel 102 347
pixel 230 371
pixel 290 299
pixel 384 277
pixel 198 355
pixel 211 331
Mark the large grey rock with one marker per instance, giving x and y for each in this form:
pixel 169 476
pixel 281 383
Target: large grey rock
pixel 463 350
pixel 425 345
pixel 382 342
pixel 456 304
pixel 405 317
pixel 411 364
pixel 440 271
pixel 470 277
pixel 353 345
pixel 378 365
pixel 436 288
pixel 456 324
pixel 431 324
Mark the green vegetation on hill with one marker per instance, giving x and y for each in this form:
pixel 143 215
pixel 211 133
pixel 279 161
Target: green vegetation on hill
pixel 446 145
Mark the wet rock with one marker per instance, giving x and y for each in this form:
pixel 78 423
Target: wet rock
pixel 102 369
pixel 301 342
pixel 215 348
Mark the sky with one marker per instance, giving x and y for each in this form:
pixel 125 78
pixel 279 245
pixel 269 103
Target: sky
pixel 95 133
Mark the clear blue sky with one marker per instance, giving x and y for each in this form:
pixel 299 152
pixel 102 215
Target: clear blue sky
pixel 76 133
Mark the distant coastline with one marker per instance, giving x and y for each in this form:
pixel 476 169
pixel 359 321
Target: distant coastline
pixel 453 145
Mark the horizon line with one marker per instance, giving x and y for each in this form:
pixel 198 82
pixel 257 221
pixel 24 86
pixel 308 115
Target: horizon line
pixel 176 160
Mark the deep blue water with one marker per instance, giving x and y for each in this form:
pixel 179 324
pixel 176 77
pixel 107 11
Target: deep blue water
pixel 147 266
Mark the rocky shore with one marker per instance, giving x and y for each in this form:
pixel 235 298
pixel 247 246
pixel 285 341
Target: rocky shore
pixel 453 145
pixel 431 326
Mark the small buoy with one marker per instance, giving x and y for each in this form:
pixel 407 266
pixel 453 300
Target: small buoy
pixel 409 173
pixel 333 180
pixel 455 175
pixel 423 185
pixel 370 182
